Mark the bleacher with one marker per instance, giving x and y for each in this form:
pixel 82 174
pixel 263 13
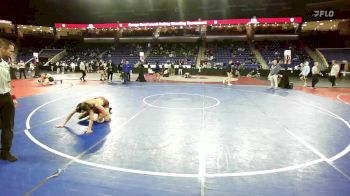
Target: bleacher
pixel 26 54
pixel 84 53
pixel 338 54
pixel 237 52
pixel 129 52
pixel 274 50
pixel 173 53
pixel 49 53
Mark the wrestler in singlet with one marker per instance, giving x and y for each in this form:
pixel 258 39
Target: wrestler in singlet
pixel 103 101
pixel 91 103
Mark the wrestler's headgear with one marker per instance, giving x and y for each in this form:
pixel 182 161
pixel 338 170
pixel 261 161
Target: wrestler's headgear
pixel 83 107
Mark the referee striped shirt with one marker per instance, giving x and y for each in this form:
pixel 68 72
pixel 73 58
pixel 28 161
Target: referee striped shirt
pixel 5 77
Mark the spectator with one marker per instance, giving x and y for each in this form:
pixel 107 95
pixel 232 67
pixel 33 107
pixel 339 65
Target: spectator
pixel 333 75
pixel 273 75
pixel 22 68
pixel 315 74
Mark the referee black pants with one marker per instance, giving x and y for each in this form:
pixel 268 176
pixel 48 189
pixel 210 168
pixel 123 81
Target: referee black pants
pixel 110 75
pixel 315 79
pixel 332 80
pixel 7 115
pixel 83 72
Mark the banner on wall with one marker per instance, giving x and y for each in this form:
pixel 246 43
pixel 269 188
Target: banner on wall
pixel 183 23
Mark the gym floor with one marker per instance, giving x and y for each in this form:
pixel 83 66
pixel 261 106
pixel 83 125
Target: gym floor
pixel 176 138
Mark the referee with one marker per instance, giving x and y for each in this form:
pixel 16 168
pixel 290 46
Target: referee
pixel 7 102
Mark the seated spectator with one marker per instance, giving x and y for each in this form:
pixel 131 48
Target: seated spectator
pixel 166 73
pixel 253 74
pixel 150 71
pixel 187 75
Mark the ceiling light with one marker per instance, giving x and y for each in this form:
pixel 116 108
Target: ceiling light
pixel 322 23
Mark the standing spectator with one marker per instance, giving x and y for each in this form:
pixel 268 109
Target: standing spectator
pixel 180 69
pixel 157 72
pixel 120 67
pixel 129 66
pixel 316 72
pixel 333 75
pixel 101 71
pixel 110 70
pixel 305 70
pixel 64 66
pixel 72 65
pixel 105 69
pixel 273 75
pixel 58 67
pixel 31 69
pixel 22 69
pixel 141 77
pixel 7 102
pixel 126 72
pixel 284 82
pixel 51 66
pixel 82 68
pixel 229 72
pixel 90 66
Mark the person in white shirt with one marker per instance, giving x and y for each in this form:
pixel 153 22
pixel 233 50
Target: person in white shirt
pixel 333 75
pixel 316 72
pixel 31 69
pixel 305 70
pixel 72 65
pixel 22 68
pixel 273 75
pixel 58 68
pixel 64 66
pixel 82 68
pixel 180 69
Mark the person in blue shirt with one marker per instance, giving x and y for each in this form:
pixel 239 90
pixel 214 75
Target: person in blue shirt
pixel 126 72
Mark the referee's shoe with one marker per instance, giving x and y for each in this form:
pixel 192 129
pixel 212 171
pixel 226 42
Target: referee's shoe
pixel 8 156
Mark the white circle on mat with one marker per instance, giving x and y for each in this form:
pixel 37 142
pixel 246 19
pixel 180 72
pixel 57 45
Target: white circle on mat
pixel 216 101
